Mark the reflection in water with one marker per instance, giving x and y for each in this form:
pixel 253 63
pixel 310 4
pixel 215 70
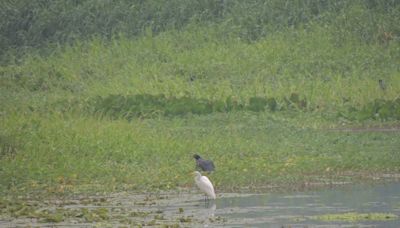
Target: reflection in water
pixel 205 213
pixel 296 209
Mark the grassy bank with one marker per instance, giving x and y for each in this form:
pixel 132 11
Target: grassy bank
pixel 129 112
pixel 60 153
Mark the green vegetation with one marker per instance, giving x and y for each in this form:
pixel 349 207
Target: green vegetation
pixel 354 217
pixel 40 23
pixel 124 101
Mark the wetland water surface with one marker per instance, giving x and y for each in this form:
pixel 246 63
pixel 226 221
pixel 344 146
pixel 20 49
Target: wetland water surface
pixel 302 209
pixel 362 205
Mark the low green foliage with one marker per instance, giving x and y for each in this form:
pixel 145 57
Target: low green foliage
pixel 379 109
pixel 68 153
pixel 355 217
pixel 150 106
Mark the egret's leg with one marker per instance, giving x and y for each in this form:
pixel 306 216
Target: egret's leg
pixel 206 200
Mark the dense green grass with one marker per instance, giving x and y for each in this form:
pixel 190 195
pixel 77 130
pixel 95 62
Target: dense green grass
pixel 40 24
pixel 198 64
pixel 129 112
pixel 28 24
pixel 70 152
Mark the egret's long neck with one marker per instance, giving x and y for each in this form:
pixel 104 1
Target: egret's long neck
pixel 198 177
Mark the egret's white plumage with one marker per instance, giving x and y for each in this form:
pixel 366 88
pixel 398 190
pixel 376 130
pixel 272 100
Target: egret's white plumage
pixel 204 184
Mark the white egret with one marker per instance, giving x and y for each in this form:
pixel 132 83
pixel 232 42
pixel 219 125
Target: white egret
pixel 204 184
pixel 203 164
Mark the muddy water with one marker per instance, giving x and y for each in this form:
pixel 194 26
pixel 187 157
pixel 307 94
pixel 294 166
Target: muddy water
pixel 188 209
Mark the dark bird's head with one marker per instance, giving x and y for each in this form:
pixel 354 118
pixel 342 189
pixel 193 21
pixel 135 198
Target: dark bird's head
pixel 196 156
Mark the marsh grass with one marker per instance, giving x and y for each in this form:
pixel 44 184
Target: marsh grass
pixel 199 65
pixel 66 153
pixel 77 118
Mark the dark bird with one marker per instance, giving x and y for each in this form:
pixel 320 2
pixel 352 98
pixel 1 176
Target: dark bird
pixel 204 165
pixel 382 84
